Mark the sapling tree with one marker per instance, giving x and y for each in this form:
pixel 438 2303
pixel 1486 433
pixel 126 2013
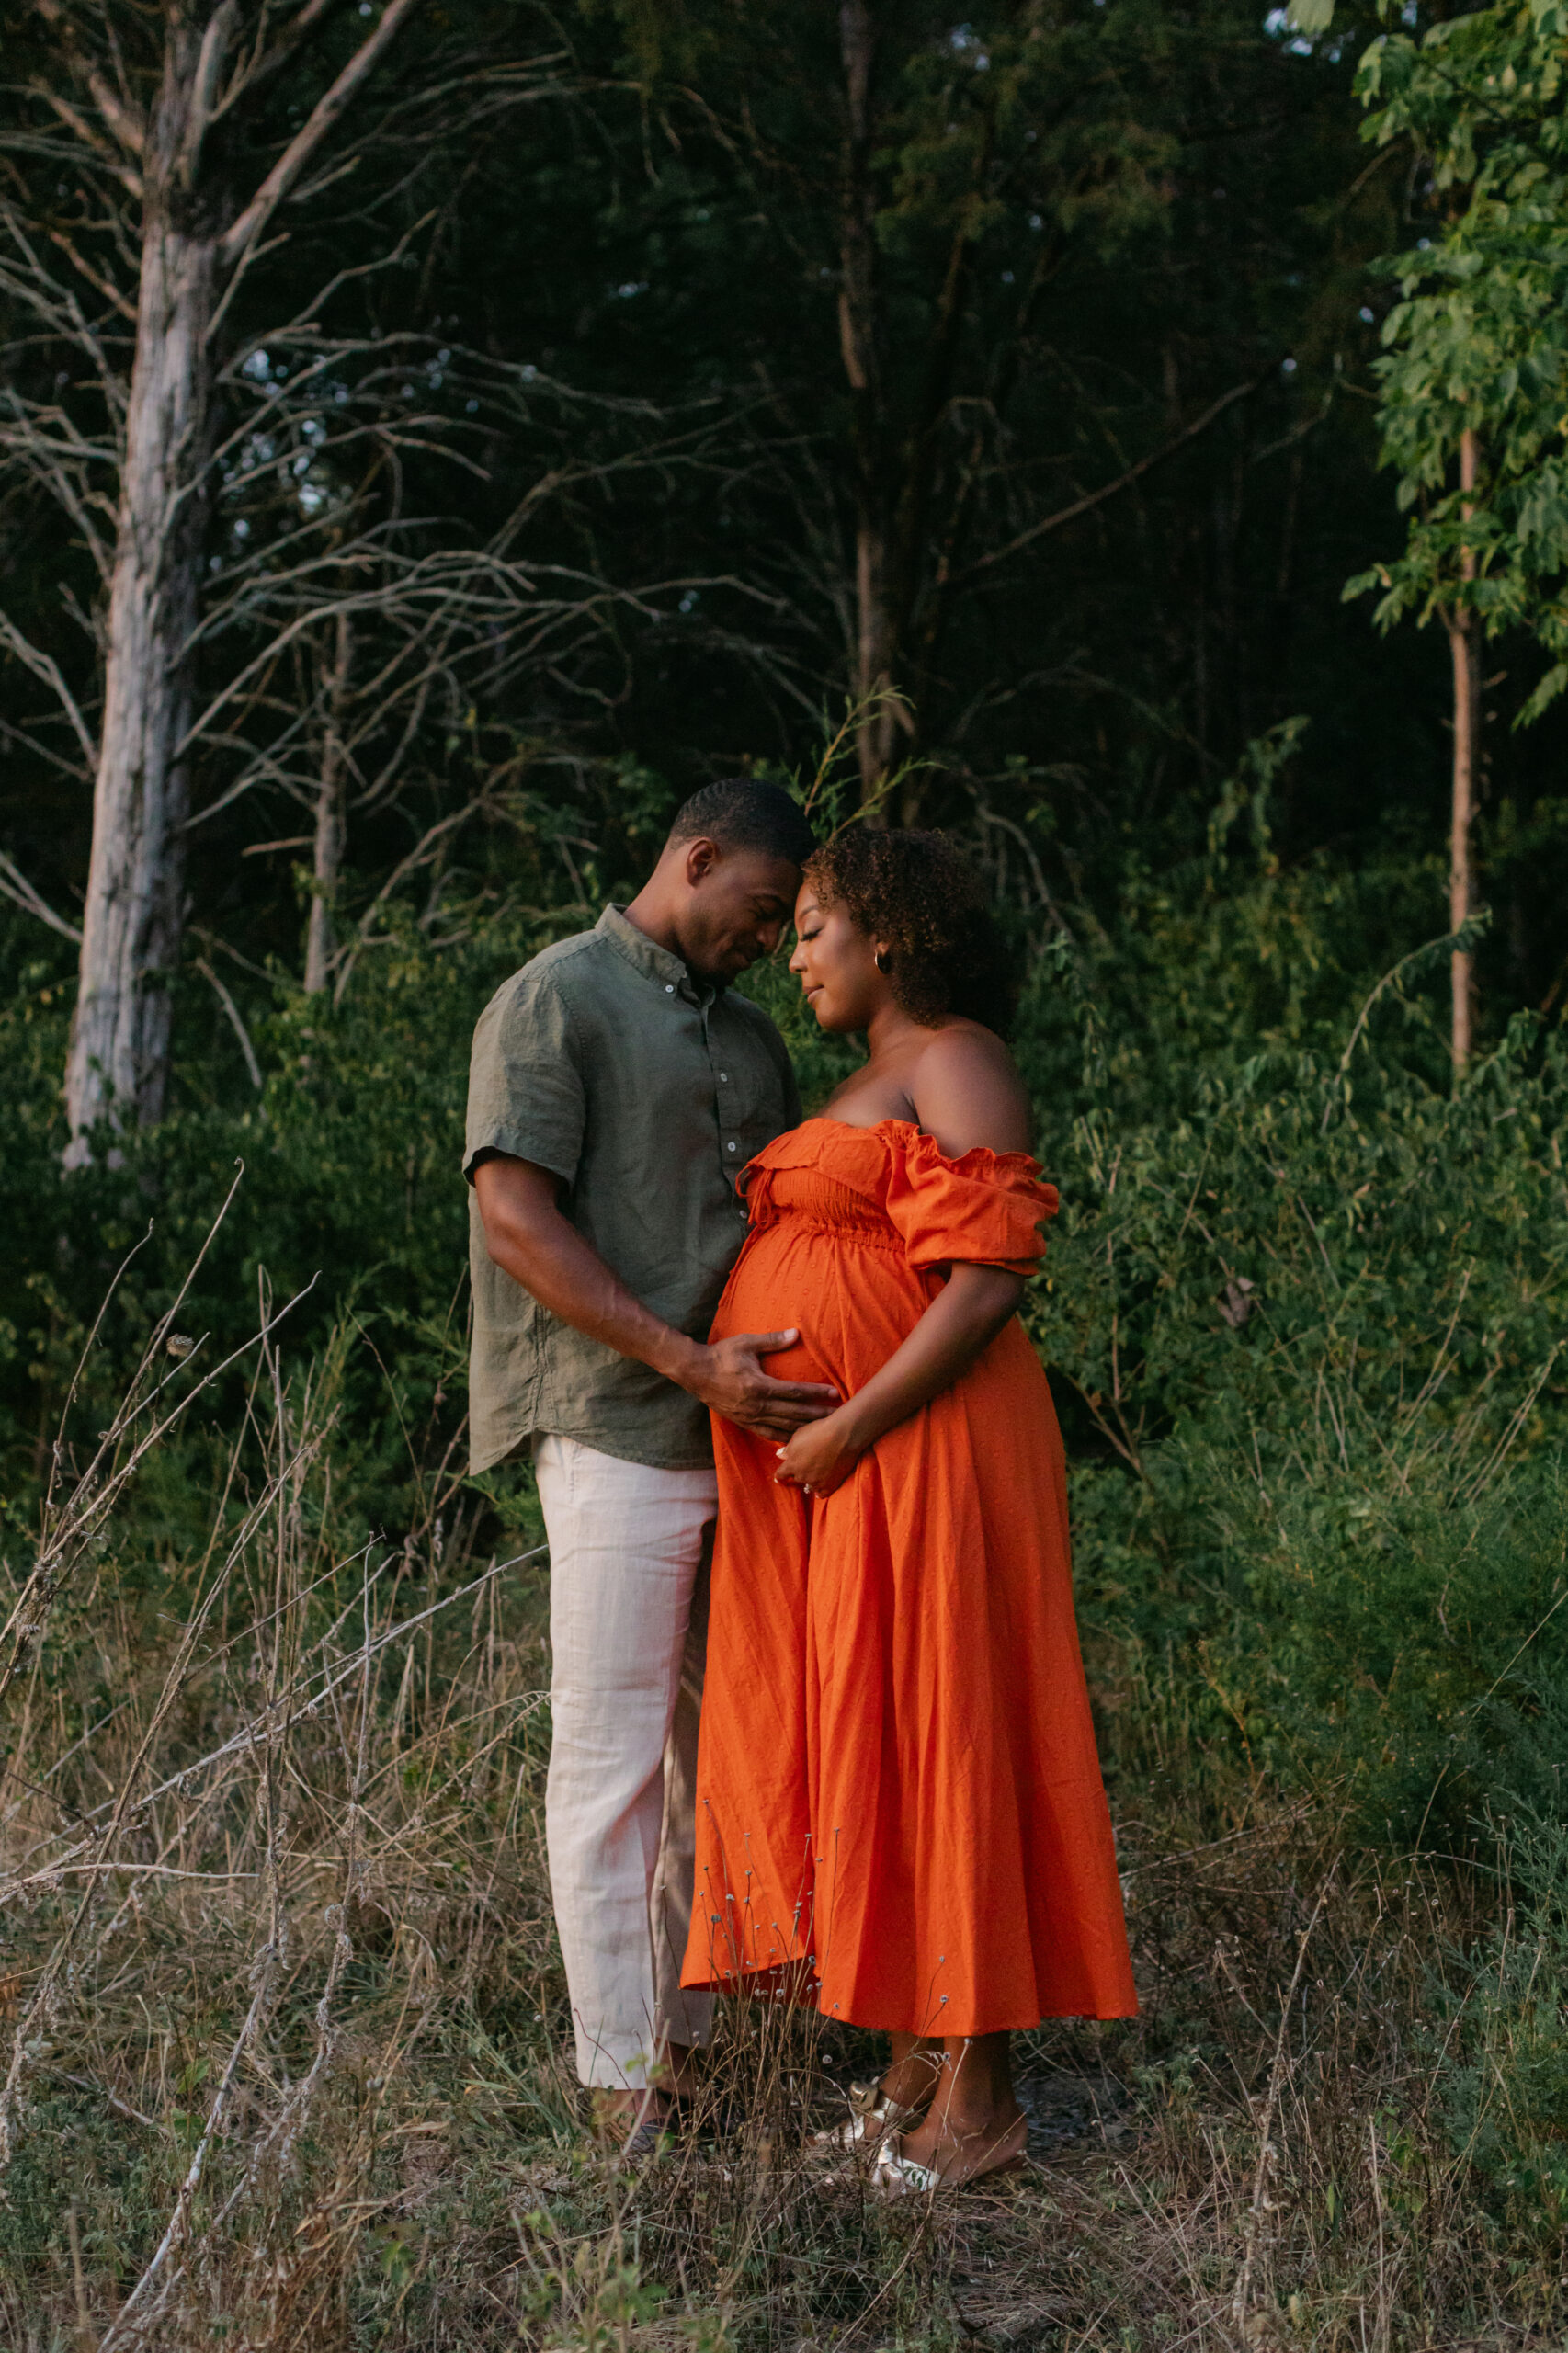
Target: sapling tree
pixel 1475 378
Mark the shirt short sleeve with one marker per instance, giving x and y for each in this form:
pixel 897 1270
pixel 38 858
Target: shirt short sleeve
pixel 524 1085
pixel 986 1207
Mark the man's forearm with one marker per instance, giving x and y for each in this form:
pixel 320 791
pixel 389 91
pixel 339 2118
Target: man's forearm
pixel 549 1259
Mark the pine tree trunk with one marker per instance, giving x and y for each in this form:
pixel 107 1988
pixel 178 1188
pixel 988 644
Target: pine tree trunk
pixel 130 932
pixel 1464 649
pixel 331 818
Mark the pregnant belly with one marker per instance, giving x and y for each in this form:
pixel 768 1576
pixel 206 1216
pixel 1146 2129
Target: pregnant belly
pixel 851 1305
pixel 761 1298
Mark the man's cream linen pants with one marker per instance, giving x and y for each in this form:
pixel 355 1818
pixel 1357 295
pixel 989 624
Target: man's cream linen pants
pixel 628 1550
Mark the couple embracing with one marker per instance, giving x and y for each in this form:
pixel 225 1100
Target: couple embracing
pixel 820 1724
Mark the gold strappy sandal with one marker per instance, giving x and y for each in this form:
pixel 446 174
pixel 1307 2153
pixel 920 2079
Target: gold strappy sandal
pixel 872 2117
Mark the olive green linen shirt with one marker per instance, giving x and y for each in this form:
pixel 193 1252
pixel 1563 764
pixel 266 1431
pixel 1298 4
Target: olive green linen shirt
pixel 647 1092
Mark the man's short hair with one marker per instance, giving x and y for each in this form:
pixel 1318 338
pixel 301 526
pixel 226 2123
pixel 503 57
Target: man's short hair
pixel 742 813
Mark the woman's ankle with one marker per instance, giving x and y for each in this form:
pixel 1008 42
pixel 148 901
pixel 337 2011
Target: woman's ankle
pixel 976 2119
pixel 911 2080
pixel 960 2148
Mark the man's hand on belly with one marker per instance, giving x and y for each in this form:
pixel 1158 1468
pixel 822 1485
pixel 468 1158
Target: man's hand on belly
pixel 528 1237
pixel 729 1378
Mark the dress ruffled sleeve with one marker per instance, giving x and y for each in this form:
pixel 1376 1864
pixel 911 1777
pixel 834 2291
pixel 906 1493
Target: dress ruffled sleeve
pixel 986 1207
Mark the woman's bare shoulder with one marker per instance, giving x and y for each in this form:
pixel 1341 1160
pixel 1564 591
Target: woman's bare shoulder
pixel 966 1091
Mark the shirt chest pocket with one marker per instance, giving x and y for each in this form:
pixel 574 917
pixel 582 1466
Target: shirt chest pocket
pixel 749 1105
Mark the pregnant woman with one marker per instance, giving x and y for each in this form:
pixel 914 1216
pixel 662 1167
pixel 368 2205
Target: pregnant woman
pixel 899 1801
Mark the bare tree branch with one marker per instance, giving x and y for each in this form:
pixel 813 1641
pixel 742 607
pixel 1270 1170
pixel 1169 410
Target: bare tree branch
pixel 43 665
pixel 126 173
pixel 95 278
pixel 281 179
pixel 123 120
pixel 1108 490
pixel 235 1022
pixel 269 63
pixel 215 42
pixel 15 886
pixel 420 855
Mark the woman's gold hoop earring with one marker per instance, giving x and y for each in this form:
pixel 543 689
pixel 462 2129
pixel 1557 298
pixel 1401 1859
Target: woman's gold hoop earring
pixel 881 959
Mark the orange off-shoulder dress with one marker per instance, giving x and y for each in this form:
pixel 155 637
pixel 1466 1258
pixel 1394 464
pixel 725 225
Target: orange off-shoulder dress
pixel 899 1799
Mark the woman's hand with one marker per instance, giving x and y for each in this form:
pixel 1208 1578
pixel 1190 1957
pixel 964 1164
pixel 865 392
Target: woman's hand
pixel 964 1317
pixel 820 1456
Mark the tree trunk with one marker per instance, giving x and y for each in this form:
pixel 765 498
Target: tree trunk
pixel 894 472
pixel 193 241
pixel 331 817
pixel 131 933
pixel 1464 648
pixel 857 338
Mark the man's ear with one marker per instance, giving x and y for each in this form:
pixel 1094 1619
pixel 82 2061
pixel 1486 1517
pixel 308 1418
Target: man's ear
pixel 701 857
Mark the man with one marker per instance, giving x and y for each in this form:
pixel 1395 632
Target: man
pixel 616 1091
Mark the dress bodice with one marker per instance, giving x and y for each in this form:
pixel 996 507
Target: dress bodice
pixel 892 1188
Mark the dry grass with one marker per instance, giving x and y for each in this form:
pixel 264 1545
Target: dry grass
pixel 285 2019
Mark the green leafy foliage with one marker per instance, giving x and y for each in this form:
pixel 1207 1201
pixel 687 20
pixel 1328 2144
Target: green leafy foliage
pixel 1476 344
pixel 1506 2038
pixel 1304 1326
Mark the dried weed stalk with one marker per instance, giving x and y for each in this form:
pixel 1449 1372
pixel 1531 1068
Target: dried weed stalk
pixel 288 2052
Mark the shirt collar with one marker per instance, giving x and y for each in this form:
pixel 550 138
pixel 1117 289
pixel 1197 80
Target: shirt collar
pixel 645 956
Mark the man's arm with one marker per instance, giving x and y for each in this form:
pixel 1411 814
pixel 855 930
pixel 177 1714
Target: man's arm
pixel 528 1239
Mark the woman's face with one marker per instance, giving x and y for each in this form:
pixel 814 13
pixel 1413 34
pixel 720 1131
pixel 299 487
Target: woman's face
pixel 837 963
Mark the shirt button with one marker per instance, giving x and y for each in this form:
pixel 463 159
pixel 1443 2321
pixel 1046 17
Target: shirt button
pixel 728 1147
pixel 724 1078
pixel 669 988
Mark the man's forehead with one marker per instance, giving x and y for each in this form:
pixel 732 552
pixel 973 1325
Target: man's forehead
pixel 765 874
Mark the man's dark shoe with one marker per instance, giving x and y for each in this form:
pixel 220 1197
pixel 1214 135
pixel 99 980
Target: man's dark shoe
pixel 652 2137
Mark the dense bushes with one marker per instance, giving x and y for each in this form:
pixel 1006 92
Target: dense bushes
pixel 1314 1326
pixel 1303 1307
pixel 350 1194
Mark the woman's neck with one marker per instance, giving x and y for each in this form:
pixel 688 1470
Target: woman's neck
pixel 890 1032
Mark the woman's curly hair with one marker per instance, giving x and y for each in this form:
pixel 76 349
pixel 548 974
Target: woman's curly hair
pixel 920 894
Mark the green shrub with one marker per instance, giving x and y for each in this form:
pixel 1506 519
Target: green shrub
pixel 1309 1341
pixel 1504 2041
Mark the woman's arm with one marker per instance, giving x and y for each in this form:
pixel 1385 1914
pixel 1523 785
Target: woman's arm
pixel 963 1319
pixel 966 1092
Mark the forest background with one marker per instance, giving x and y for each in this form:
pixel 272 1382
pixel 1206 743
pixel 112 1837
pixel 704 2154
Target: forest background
pixel 976 421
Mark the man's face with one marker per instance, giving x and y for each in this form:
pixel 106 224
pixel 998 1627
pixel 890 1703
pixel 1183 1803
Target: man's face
pixel 737 905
